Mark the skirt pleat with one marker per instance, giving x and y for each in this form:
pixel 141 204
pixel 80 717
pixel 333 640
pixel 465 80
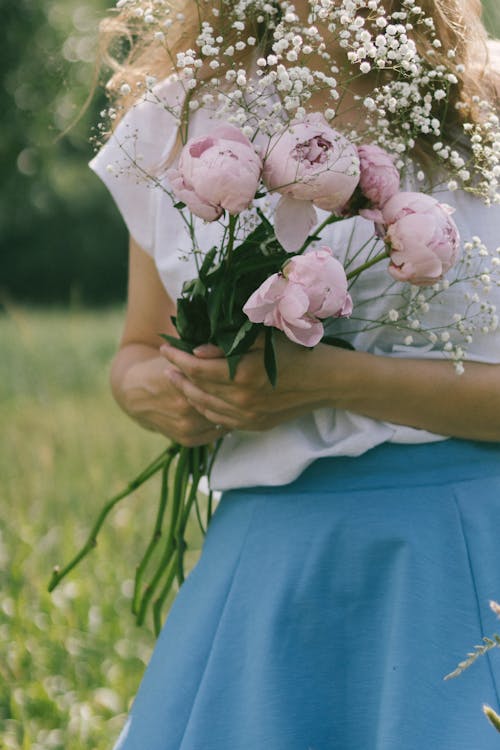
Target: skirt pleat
pixel 324 615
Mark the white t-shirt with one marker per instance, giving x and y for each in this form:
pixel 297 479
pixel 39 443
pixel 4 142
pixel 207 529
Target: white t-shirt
pixel 140 146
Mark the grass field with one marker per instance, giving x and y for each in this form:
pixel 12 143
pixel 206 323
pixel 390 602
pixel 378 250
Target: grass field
pixel 70 661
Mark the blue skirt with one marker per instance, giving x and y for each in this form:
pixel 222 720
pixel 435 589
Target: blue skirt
pixel 324 614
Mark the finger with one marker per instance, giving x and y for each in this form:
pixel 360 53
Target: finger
pixel 200 399
pixel 200 432
pixel 213 370
pixel 224 424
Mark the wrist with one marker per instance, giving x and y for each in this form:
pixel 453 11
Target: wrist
pixel 347 376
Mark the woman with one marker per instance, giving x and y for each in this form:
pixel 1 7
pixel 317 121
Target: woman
pixel 350 562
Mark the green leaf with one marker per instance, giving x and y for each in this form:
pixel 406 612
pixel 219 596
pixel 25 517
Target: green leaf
pixel 242 336
pixel 265 221
pixel 188 287
pixel 214 304
pixel 207 263
pixel 232 363
pixel 184 346
pixel 334 341
pixel 179 205
pixel 270 357
pixel 199 288
pixel 262 235
pixel 192 321
pixel 224 338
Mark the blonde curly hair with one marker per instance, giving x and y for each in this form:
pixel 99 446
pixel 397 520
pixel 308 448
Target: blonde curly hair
pixel 132 52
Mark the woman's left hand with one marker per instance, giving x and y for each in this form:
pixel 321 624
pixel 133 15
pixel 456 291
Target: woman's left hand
pixel 249 402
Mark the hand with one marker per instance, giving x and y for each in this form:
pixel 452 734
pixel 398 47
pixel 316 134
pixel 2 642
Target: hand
pixel 147 392
pixel 249 402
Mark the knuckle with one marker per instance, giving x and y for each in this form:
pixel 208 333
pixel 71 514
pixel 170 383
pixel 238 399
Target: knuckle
pixel 184 427
pixel 192 370
pixel 252 418
pixel 183 408
pixel 243 377
pixel 243 398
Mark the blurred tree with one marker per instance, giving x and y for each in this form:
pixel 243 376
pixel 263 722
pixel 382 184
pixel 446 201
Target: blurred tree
pixel 61 238
pixel 60 235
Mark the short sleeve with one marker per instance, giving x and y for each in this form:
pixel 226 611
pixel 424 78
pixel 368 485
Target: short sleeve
pixel 131 160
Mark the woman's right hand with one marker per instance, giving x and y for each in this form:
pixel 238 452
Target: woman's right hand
pixel 139 375
pixel 146 393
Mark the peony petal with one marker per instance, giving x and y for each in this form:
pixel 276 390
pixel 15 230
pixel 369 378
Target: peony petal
pixel 231 133
pixel 294 303
pixel 449 210
pixel 309 333
pixel 347 309
pixel 372 214
pixel 198 146
pixel 264 301
pixel 293 221
pixel 193 201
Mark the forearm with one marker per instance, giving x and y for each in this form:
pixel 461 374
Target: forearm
pixel 426 394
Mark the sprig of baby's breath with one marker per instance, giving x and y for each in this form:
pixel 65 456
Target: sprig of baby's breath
pixel 479 650
pixel 297 57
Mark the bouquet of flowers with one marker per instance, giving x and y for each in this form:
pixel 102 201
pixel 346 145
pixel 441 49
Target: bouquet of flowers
pixel 262 172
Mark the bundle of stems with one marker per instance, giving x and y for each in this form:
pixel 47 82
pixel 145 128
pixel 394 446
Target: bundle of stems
pixel 163 561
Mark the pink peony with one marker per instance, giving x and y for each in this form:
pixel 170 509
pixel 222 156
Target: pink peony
pixel 423 238
pixel 310 287
pixel 379 178
pixel 217 172
pixel 309 163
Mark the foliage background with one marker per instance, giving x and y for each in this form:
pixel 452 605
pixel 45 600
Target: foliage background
pixel 60 236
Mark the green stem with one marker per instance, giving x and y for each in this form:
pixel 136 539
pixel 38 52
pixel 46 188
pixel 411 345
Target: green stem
pixel 209 507
pixel 204 457
pixel 210 462
pixel 159 602
pixel 91 543
pixel 369 263
pixel 169 549
pixel 174 449
pixel 232 234
pixel 175 566
pixel 185 507
pixel 198 516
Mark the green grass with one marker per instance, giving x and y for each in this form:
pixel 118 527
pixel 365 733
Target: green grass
pixel 70 661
